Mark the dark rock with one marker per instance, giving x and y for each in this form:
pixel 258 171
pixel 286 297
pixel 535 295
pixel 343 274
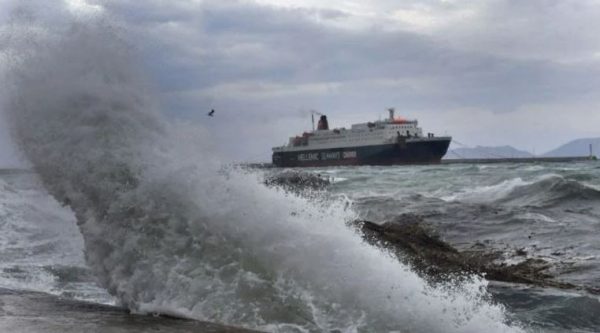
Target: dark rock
pixel 297 180
pixel 521 252
pixel 416 244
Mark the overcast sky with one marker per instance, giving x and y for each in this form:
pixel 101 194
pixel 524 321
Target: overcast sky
pixel 497 72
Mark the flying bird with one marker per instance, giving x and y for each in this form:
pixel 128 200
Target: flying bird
pixel 211 113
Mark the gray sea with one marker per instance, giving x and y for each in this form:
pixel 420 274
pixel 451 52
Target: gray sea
pixel 130 218
pixel 549 210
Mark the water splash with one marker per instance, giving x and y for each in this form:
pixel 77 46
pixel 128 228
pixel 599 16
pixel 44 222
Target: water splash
pixel 168 230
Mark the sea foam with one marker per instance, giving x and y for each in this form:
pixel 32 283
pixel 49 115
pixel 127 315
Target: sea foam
pixel 168 229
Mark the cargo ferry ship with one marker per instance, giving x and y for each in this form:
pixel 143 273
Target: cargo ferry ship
pixel 383 142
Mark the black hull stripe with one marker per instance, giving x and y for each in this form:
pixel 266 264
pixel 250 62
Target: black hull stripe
pixel 417 152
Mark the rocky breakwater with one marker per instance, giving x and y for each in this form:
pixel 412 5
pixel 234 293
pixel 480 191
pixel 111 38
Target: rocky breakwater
pixel 297 180
pixel 415 243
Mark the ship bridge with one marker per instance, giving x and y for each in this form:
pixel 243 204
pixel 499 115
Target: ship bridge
pixel 378 132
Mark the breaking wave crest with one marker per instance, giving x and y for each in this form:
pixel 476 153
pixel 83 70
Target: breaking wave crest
pixel 168 230
pixel 546 190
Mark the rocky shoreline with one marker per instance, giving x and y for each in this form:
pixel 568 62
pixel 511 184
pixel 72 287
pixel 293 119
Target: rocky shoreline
pixel 293 180
pixel 414 243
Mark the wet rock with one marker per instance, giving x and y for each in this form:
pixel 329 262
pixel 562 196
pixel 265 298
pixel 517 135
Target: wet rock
pixel 520 252
pixel 417 244
pixel 297 180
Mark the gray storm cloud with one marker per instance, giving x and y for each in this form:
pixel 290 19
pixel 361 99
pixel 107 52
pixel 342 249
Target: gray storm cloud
pixel 493 73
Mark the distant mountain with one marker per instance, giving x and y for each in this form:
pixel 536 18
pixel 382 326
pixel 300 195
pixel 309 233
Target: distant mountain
pixel 486 152
pixel 579 147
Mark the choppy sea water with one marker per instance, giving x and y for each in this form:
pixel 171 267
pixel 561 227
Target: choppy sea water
pixel 550 210
pixel 128 207
pixel 41 248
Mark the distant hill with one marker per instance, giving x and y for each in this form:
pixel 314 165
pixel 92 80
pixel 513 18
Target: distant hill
pixel 579 147
pixel 486 152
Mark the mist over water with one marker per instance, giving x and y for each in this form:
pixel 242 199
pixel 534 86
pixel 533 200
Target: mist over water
pixel 168 229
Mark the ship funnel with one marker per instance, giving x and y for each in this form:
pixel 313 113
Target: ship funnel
pixel 391 111
pixel 323 124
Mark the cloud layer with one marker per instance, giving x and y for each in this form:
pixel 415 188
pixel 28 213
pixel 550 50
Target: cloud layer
pixel 493 73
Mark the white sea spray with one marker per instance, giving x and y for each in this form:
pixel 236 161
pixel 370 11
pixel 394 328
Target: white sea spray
pixel 168 230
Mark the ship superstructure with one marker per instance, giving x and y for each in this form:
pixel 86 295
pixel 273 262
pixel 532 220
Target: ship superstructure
pixel 383 142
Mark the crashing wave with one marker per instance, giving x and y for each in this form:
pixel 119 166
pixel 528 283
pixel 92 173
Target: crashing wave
pixel 167 231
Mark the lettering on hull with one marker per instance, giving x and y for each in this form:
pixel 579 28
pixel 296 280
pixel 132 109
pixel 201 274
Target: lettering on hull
pixel 308 157
pixel 330 156
pixel 422 152
pixel 327 156
pixel 350 154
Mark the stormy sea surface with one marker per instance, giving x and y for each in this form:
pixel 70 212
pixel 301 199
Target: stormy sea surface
pixel 549 211
pixel 127 213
